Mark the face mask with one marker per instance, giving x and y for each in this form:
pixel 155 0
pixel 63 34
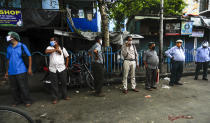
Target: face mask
pixel 101 42
pixel 9 38
pixel 130 42
pixel 52 43
pixel 205 45
pixel 153 48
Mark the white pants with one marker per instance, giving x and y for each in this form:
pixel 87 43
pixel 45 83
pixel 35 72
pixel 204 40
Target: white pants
pixel 129 66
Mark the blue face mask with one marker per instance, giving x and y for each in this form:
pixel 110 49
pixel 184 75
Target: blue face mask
pixel 52 43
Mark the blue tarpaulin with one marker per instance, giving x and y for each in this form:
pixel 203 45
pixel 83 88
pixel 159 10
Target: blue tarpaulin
pixel 84 24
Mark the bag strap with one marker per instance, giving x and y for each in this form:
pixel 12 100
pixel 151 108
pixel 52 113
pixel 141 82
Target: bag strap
pixel 22 49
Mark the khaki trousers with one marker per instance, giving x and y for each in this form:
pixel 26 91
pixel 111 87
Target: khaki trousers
pixel 129 66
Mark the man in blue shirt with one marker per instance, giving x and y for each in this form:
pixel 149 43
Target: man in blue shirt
pixel 17 71
pixel 177 56
pixel 202 59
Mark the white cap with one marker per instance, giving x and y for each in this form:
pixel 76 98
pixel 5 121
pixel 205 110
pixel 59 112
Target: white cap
pixel 179 41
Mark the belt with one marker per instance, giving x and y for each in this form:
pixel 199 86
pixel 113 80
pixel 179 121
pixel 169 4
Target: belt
pixel 130 59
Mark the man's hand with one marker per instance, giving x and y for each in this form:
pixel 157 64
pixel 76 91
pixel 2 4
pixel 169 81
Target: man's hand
pixel 137 66
pixel 196 62
pixel 146 66
pixel 29 71
pixel 58 51
pixel 89 53
pixel 96 54
pixel 172 59
pixel 6 75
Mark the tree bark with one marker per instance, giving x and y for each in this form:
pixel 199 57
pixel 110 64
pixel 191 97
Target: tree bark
pixel 105 22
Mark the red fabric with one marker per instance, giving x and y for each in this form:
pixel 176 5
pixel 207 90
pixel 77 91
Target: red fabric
pixel 45 69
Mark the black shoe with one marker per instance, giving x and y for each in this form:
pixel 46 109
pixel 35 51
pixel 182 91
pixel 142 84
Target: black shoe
pixel 177 83
pixel 149 89
pixel 196 78
pixel 154 87
pixel 171 84
pixel 205 79
pixel 99 95
pixel 135 90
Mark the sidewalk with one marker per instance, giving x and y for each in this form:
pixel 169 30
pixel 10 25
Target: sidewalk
pixel 189 103
pixel 36 85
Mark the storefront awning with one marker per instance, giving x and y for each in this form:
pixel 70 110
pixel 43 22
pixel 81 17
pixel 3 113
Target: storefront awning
pixel 153 17
pixel 205 13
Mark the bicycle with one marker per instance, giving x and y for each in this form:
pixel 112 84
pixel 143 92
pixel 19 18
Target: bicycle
pixel 79 74
pixel 14 115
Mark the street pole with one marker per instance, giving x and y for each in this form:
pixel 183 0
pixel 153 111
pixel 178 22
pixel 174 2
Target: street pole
pixel 161 37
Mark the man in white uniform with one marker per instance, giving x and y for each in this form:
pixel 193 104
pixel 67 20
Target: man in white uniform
pixel 130 62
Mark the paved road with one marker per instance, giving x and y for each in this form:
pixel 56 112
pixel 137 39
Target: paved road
pixel 189 103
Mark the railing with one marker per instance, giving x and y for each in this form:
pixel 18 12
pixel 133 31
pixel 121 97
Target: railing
pixel 113 61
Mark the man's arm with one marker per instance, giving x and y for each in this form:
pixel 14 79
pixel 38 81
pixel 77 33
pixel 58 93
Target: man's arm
pixel 25 48
pixel 168 53
pixel 91 50
pixel 124 51
pixel 66 55
pixel 144 59
pixel 49 51
pixel 7 66
pixel 137 56
pixel 30 65
pixel 67 62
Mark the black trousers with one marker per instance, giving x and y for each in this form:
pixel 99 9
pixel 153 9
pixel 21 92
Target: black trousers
pixel 176 71
pixel 199 65
pixel 98 74
pixel 151 76
pixel 55 78
pixel 19 88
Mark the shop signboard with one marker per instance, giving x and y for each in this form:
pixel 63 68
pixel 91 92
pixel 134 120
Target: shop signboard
pixel 197 33
pixel 187 28
pixel 11 17
pixel 172 29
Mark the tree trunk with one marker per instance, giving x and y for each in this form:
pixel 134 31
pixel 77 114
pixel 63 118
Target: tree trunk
pixel 105 22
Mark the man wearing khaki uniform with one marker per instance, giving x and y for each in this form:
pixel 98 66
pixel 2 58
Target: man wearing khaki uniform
pixel 130 62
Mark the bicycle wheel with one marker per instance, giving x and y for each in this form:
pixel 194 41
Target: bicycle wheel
pixel 14 115
pixel 89 80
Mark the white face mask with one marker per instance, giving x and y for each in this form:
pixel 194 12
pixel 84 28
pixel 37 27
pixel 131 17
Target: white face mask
pixel 9 38
pixel 205 44
pixel 101 42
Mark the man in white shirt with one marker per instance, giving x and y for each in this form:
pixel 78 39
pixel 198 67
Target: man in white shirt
pixel 57 68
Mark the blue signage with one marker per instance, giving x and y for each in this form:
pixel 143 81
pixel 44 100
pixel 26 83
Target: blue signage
pixel 10 17
pixel 187 28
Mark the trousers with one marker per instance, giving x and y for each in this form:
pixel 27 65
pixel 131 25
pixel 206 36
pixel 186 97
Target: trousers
pixel 199 65
pixel 129 66
pixel 98 74
pixel 19 88
pixel 176 71
pixel 55 78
